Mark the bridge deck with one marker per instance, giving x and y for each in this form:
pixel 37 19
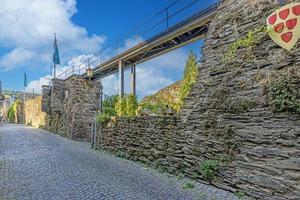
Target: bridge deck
pixel 183 33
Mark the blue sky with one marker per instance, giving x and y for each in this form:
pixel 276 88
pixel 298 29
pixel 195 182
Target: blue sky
pixel 84 27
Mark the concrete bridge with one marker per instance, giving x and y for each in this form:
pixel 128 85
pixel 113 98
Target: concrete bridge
pixel 182 33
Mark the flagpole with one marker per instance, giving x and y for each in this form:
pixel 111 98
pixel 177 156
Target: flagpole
pixel 24 105
pixel 54 70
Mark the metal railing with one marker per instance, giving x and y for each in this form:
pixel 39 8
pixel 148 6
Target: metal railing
pixel 158 23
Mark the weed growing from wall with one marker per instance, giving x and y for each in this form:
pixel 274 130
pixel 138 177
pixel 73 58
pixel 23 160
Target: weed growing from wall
pixel 282 90
pixel 209 169
pixel 250 41
pixel 221 100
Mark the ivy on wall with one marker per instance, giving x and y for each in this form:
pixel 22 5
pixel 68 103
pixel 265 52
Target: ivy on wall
pixel 282 90
pixel 250 41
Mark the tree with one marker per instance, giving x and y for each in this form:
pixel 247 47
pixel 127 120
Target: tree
pixel 132 105
pixel 127 105
pixel 12 111
pixel 108 109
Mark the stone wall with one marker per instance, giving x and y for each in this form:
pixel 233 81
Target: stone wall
pixel 227 116
pixel 148 139
pixel 46 98
pixel 267 161
pixel 72 106
pixel 31 113
pixel 34 115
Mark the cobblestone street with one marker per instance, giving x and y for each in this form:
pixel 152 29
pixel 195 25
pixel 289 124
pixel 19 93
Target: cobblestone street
pixel 39 165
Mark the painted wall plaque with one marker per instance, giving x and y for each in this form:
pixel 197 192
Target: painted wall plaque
pixel 285 25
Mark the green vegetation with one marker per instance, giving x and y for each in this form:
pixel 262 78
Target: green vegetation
pixel 156 107
pixel 112 106
pixel 188 185
pixel 120 106
pixel 12 110
pixel 240 195
pixel 131 105
pixel 191 72
pixel 127 106
pixel 209 169
pixel 250 41
pixel 221 99
pixel 282 90
pixel 108 109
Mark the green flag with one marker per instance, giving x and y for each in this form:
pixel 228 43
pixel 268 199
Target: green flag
pixel 25 80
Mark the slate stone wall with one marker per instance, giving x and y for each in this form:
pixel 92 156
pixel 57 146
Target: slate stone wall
pixel 57 95
pixel 227 116
pixel 266 162
pixel 46 98
pixel 151 139
pixel 73 106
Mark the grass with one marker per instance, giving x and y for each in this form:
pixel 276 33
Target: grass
pixel 188 185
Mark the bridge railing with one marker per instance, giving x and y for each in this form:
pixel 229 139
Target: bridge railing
pixel 154 25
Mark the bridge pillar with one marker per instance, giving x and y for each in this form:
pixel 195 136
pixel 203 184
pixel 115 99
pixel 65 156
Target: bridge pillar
pixel 133 79
pixel 101 96
pixel 121 78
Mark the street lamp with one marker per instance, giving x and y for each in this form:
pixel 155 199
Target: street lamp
pixel 89 71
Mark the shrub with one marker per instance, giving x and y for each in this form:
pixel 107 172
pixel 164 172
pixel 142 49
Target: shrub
pixel 188 185
pixel 120 106
pixel 209 168
pixel 240 195
pixel 131 105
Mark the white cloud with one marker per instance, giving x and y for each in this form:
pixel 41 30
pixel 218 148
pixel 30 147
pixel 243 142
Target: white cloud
pixel 36 85
pixel 15 57
pixel 27 27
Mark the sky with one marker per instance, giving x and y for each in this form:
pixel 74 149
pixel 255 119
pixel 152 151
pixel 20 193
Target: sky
pixel 84 27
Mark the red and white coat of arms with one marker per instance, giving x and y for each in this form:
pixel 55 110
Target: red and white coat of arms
pixel 285 25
